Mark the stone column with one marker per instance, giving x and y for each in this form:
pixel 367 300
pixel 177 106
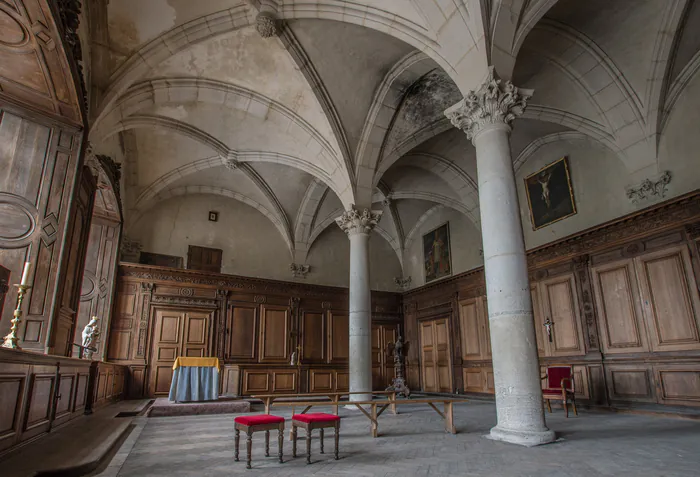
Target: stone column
pixel 485 116
pixel 358 227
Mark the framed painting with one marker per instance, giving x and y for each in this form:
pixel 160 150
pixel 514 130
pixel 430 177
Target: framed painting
pixel 549 194
pixel 437 259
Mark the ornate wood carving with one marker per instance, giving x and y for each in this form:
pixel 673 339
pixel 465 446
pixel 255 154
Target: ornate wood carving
pixel 583 283
pixel 146 293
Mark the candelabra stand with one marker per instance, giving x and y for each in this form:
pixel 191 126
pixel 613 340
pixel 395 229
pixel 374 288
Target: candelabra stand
pixel 11 339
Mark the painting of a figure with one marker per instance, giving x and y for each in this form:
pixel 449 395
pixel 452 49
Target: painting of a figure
pixel 549 194
pixel 436 253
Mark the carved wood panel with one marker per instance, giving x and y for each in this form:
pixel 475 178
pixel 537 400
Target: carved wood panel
pixel 538 317
pixel 436 360
pixel 274 334
pixel 382 337
pixel 313 337
pixel 471 325
pixel 621 327
pixel 678 384
pixel 242 330
pixel 670 299
pixel 630 383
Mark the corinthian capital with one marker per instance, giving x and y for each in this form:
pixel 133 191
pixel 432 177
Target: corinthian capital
pixel 353 221
pixel 494 102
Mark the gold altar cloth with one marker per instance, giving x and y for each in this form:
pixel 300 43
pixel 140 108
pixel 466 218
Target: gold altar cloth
pixel 199 362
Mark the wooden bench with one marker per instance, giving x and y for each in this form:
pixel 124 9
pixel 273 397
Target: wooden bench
pixel 334 398
pixel 378 407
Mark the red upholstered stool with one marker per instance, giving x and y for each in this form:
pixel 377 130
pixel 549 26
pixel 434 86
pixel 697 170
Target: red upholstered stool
pixel 262 422
pixel 310 422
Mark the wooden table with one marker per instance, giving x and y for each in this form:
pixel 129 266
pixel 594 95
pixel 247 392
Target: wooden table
pixel 268 399
pixel 373 414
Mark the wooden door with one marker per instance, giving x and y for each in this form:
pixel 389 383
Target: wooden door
pixel 670 301
pixel 436 362
pixel 242 331
pixel 175 333
pixel 338 337
pixel 383 336
pixel 559 302
pixel 274 334
pixel 474 329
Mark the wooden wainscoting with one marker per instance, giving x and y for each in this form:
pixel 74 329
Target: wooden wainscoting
pixel 436 355
pixel 40 391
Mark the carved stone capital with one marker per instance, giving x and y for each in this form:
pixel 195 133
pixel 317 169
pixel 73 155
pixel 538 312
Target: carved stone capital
pixel 495 102
pixel 266 25
pixel 353 221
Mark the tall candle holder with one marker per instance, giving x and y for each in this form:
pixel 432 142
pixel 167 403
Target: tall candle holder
pixel 11 339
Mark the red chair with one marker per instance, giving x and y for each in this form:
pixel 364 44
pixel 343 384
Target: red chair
pixel 560 385
pixel 262 422
pixel 314 421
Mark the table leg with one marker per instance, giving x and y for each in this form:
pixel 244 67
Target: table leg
pixel 321 437
pixel 308 446
pixel 374 424
pixel 268 403
pixel 294 441
pixel 267 443
pixel 280 442
pixel 249 448
pixel 337 438
pixel 237 442
pixel 449 419
pixel 392 396
pixel 336 399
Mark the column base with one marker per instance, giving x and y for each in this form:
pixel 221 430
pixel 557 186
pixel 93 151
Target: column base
pixel 523 438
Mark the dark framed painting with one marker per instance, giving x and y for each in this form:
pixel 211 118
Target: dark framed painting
pixel 549 194
pixel 437 258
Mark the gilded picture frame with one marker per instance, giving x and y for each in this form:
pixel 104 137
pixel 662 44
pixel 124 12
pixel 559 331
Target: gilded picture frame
pixel 437 254
pixel 550 196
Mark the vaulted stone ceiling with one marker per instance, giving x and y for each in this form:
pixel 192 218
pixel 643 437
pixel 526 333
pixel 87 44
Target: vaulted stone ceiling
pixel 344 104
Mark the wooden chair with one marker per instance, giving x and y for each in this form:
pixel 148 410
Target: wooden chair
pixel 310 422
pixel 560 385
pixel 251 424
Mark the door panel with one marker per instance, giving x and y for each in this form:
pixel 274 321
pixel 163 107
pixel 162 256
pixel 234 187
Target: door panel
pixel 670 299
pixel 436 361
pixel 242 330
pixel 427 362
pixel 274 334
pixel 195 337
pixel 560 304
pixel 617 300
pixel 313 337
pixel 538 316
pixel 339 339
pixel 470 325
pixel 444 362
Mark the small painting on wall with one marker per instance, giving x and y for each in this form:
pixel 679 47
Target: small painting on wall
pixel 549 194
pixel 213 216
pixel 437 261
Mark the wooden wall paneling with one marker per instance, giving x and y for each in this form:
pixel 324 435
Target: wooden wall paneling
pixel 582 271
pixel 436 360
pixel 65 395
pixel 321 380
pixel 428 358
pixel 242 330
pixel 678 384
pixel 81 393
pixel 630 382
pixel 284 381
pixel 539 318
pixel 274 334
pixel 560 304
pixel 313 337
pixel 256 382
pixel 622 329
pixel 341 380
pixel 581 382
pixel 231 382
pixel 486 327
pixel 13 389
pixel 137 386
pixel 70 276
pixel 37 416
pixel 471 326
pixel 219 340
pixel 338 337
pixel 670 299
pixel 125 318
pixel 444 355
pixel 196 331
pixel 490 387
pixel 473 379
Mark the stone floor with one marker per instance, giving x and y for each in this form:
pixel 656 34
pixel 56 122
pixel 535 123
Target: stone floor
pixel 414 444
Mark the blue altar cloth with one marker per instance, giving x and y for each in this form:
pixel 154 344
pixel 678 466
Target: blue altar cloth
pixel 194 383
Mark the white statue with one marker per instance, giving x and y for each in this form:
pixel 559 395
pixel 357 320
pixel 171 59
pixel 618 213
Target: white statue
pixel 293 360
pixel 90 334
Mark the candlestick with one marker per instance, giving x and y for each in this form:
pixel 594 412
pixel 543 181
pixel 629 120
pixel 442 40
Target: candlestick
pixel 25 273
pixel 11 339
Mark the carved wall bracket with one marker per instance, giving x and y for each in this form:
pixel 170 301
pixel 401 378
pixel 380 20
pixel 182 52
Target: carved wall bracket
pixel 649 188
pixel 404 283
pixel 299 271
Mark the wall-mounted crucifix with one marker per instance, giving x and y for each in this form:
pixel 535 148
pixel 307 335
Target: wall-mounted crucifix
pixel 548 326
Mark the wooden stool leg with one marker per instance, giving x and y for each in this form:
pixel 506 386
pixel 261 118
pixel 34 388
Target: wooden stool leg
pixel 267 443
pixel 566 408
pixel 249 448
pixel 573 404
pixel 549 406
pixel 280 442
pixel 294 441
pixel 308 446
pixel 337 438
pixel 321 437
pixel 237 441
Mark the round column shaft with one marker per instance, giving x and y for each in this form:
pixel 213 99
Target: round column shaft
pixel 485 115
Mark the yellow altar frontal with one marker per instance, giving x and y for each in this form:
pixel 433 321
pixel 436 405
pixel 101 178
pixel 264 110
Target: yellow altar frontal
pixel 196 362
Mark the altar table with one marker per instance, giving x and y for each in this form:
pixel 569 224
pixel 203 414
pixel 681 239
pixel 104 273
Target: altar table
pixel 195 379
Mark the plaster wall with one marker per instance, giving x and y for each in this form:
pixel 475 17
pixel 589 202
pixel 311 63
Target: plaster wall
pixel 252 245
pixel 465 244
